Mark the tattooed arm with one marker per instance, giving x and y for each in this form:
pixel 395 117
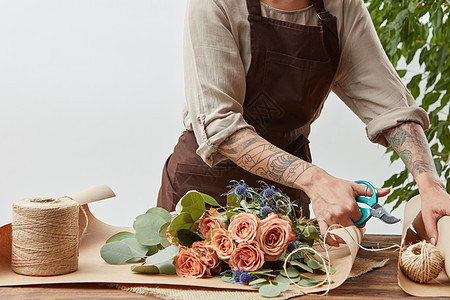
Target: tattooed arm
pixel 256 155
pixel 409 141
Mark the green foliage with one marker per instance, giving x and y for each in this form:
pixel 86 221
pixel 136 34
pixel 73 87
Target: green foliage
pixel 419 31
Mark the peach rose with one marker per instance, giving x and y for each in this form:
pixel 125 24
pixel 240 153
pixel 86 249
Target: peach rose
pixel 207 254
pixel 274 235
pixel 189 264
pixel 247 257
pixel 210 221
pixel 243 227
pixel 222 243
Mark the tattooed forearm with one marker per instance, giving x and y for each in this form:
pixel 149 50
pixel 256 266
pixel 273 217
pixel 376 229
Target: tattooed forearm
pixel 409 141
pixel 258 156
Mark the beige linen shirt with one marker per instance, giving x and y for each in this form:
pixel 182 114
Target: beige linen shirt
pixel 217 57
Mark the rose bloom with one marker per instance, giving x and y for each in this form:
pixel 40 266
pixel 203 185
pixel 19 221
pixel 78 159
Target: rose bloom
pixel 243 227
pixel 189 264
pixel 207 254
pixel 210 221
pixel 274 235
pixel 247 257
pixel 222 243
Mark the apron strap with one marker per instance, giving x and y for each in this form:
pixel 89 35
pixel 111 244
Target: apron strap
pixel 254 8
pixel 325 17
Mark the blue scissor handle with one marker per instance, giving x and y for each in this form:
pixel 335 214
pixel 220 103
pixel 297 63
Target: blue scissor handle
pixel 369 201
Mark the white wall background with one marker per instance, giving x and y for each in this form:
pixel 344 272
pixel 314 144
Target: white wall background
pixel 91 92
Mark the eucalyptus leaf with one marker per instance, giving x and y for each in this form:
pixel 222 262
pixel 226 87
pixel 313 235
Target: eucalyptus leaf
pixel 162 235
pixel 257 281
pixel 282 279
pixel 269 290
pixel 226 279
pixel 116 253
pixel 309 282
pixel 314 264
pixel 301 265
pixel 283 286
pixel 160 212
pixel 120 236
pixel 147 229
pixel 152 250
pixel 167 268
pixel 292 272
pixel 145 269
pixel 137 249
pixel 163 255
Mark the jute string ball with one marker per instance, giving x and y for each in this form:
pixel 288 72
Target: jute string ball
pixel 421 262
pixel 45 236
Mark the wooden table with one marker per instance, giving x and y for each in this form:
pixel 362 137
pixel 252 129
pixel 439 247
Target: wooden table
pixel 377 284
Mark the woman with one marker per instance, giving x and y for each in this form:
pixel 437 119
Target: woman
pixel 257 74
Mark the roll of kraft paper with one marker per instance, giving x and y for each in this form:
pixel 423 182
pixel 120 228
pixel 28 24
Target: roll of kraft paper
pixel 45 236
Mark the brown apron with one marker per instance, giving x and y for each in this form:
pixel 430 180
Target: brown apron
pixel 291 72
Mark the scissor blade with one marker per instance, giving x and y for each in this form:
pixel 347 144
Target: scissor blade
pixel 380 212
pixel 389 219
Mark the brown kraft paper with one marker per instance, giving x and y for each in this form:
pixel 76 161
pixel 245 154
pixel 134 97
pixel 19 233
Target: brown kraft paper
pixel 414 231
pixel 92 268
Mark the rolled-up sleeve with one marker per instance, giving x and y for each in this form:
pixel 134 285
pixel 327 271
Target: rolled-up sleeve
pixel 366 80
pixel 214 78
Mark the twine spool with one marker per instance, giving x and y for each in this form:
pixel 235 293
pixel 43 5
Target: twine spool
pixel 421 262
pixel 45 236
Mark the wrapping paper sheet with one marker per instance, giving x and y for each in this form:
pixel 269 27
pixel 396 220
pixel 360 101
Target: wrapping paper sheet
pixel 93 269
pixel 439 287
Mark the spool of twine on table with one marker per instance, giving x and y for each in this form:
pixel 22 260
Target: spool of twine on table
pixel 45 236
pixel 421 262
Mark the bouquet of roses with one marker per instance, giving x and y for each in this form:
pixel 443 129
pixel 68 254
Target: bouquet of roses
pixel 256 239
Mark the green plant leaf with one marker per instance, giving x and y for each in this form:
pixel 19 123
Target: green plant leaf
pixel 193 203
pixel 152 250
pixel 310 282
pixel 182 221
pixel 160 212
pixel 269 290
pixel 162 235
pixel 257 281
pixel 314 264
pixel 209 200
pixel 292 272
pixel 187 237
pixel 145 269
pixel 301 265
pixel 232 200
pixel 137 249
pixel 283 279
pixel 283 286
pixel 167 268
pixel 147 229
pixel 162 256
pixel 115 253
pixel 120 236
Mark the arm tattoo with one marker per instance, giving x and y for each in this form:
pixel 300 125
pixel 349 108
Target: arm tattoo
pixel 258 156
pixel 409 141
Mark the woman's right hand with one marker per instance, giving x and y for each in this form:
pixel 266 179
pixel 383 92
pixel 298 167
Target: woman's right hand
pixel 334 201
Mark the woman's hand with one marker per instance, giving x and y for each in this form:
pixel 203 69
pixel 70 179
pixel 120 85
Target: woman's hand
pixel 435 204
pixel 333 201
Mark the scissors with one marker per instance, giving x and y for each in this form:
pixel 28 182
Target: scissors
pixel 375 209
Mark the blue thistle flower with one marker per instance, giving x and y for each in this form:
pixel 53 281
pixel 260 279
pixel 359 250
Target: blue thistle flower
pixel 241 189
pixel 265 211
pixel 291 247
pixel 245 278
pixel 237 275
